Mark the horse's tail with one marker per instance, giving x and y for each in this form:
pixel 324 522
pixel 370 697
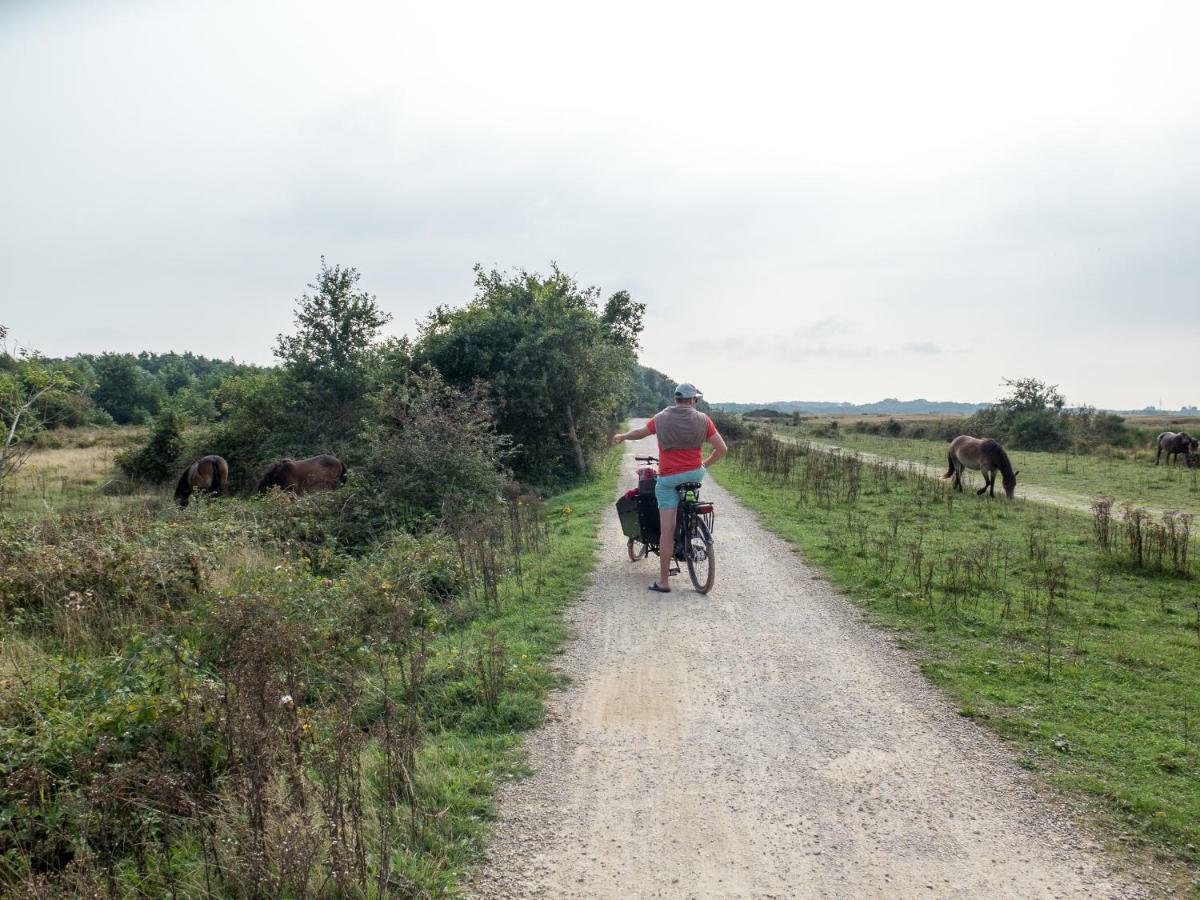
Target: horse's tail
pixel 342 476
pixel 183 490
pixel 949 464
pixel 215 480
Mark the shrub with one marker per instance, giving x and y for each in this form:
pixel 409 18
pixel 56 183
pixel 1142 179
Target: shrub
pixel 157 460
pixel 765 413
pixel 731 425
pixel 427 442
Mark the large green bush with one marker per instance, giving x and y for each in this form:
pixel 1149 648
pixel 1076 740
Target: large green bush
pixel 557 363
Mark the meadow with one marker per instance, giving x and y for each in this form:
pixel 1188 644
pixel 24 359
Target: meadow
pixel 1122 475
pixel 1076 637
pixel 76 467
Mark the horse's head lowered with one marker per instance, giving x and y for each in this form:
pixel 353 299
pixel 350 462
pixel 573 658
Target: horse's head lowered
pixel 1010 484
pixel 273 476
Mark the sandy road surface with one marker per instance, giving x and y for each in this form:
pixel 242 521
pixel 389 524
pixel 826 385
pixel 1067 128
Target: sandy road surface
pixel 764 742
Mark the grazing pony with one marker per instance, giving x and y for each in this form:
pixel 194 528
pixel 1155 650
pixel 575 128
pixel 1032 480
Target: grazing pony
pixel 1173 443
pixel 983 455
pixel 209 474
pixel 302 476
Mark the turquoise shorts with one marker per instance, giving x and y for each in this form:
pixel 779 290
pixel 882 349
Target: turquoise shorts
pixel 664 490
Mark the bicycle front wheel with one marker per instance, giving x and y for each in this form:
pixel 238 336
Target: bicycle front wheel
pixel 701 557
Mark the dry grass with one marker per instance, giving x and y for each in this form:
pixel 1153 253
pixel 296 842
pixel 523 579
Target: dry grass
pixel 59 476
pixel 117 436
pixel 1190 424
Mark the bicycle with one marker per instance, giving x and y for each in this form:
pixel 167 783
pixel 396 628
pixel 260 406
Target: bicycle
pixel 693 538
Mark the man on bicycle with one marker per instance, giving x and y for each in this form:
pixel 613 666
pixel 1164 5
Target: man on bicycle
pixel 682 430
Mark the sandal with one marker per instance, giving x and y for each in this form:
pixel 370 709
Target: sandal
pixel 659 590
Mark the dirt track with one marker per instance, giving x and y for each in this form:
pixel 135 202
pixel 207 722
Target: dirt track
pixel 764 742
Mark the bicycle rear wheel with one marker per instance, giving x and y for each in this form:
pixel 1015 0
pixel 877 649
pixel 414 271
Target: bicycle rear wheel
pixel 636 549
pixel 701 557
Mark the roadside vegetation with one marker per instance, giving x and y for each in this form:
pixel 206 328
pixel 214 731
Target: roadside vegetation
pixel 223 700
pixel 1075 637
pixel 293 696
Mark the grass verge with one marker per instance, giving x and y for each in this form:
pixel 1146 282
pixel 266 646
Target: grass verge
pixel 465 761
pixel 1084 661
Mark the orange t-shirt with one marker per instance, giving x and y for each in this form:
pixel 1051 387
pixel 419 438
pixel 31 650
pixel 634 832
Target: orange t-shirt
pixel 687 459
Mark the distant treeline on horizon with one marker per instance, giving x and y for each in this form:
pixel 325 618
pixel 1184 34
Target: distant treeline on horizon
pixel 892 406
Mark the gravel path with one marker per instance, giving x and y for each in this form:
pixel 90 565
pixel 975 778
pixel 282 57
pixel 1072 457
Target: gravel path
pixel 764 742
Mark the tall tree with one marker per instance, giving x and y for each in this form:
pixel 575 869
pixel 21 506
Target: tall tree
pixel 1031 394
pixel 336 327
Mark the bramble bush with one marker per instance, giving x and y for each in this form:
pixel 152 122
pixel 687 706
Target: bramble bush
pixel 224 699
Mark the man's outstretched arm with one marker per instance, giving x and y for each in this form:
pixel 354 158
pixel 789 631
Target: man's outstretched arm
pixel 636 435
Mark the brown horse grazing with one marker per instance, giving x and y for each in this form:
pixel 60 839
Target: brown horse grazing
pixel 983 455
pixel 302 476
pixel 1173 443
pixel 209 474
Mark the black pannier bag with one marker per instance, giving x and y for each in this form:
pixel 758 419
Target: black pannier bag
pixel 627 511
pixel 648 515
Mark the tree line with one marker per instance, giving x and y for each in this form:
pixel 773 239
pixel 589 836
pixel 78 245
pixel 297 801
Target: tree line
pixel 546 365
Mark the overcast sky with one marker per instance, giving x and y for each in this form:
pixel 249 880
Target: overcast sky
pixel 834 201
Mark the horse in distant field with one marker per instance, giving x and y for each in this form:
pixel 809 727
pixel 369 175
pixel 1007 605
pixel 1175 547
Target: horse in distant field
pixel 1173 443
pixel 209 474
pixel 303 476
pixel 983 455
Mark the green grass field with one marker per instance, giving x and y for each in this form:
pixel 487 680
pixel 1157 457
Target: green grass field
pixel 1086 663
pixel 1133 477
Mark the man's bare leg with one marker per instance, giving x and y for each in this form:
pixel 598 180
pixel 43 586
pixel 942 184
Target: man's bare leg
pixel 666 546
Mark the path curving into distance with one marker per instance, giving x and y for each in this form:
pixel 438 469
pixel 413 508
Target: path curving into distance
pixel 764 742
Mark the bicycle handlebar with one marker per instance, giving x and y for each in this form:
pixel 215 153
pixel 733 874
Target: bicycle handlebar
pixel 646 459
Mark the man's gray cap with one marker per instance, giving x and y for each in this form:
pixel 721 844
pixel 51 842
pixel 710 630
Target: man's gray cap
pixel 687 390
